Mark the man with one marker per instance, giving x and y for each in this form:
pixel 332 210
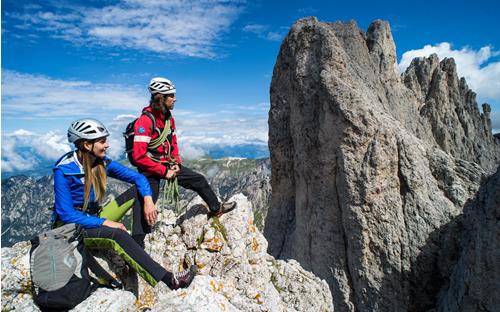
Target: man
pixel 163 161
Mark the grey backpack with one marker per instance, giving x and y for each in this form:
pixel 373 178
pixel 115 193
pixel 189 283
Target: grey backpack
pixel 59 269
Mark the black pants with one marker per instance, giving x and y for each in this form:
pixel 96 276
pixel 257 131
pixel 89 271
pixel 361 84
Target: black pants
pixel 122 243
pixel 186 178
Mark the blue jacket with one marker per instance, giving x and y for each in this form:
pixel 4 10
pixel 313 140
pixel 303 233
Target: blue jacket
pixel 69 188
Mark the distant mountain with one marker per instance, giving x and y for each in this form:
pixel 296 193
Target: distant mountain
pixel 40 166
pixel 27 200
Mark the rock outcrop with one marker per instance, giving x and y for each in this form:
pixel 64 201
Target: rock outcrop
pixel 368 164
pixel 27 201
pixel 235 272
pixel 474 281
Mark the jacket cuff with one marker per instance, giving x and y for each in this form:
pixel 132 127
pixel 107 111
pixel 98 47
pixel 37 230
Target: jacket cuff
pixel 163 171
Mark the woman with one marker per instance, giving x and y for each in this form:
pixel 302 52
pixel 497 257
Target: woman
pixel 80 185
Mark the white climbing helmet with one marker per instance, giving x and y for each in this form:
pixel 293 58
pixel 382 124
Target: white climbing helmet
pixel 86 128
pixel 161 85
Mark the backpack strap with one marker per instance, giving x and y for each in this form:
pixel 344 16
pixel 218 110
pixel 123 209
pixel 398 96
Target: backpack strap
pixel 153 119
pixel 104 278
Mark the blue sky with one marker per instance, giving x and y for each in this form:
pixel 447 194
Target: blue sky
pixel 62 60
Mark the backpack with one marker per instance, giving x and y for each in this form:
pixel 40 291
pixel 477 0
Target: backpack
pixel 129 135
pixel 59 264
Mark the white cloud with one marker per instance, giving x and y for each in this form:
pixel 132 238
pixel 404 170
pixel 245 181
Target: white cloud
pixel 495 121
pixel 50 98
pixel 190 152
pixel 255 28
pixel 224 128
pixel 13 161
pixel 51 145
pixel 197 133
pixel 125 117
pixel 480 70
pixel 24 150
pixel 190 28
pixel 21 132
pixel 263 32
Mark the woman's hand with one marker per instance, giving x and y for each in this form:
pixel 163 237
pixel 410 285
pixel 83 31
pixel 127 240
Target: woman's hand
pixel 150 213
pixel 113 224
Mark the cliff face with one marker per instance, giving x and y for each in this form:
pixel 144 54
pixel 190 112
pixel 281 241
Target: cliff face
pixel 367 164
pixel 473 283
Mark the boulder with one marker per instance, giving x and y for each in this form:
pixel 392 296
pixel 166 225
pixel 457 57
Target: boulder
pixel 235 271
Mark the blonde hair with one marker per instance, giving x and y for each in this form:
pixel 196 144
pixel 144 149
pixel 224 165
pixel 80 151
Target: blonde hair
pixel 95 174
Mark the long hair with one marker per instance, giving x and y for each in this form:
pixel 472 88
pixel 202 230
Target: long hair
pixel 156 102
pixel 95 174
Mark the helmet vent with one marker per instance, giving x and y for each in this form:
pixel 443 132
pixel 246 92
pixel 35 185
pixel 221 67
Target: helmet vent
pixel 85 128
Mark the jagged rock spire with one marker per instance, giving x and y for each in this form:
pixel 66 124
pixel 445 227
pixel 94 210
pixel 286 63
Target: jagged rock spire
pixel 367 164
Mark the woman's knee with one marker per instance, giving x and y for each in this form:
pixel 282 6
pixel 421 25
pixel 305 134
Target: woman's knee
pixel 121 236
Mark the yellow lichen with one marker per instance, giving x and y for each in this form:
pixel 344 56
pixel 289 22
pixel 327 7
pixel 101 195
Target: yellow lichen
pixel 251 227
pixel 255 244
pixel 26 287
pixel 199 264
pixel 146 299
pixel 213 244
pixel 216 287
pixel 258 297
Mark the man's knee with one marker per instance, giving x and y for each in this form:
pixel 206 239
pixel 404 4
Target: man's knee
pixel 199 179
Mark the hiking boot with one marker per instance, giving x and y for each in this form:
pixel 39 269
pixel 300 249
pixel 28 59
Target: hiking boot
pixel 183 279
pixel 224 208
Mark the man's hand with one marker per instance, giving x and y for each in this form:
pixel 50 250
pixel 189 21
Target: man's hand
pixel 150 213
pixel 175 168
pixel 170 174
pixel 113 224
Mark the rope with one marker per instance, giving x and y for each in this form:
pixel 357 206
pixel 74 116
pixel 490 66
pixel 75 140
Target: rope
pixel 171 192
pixel 161 138
pixel 171 187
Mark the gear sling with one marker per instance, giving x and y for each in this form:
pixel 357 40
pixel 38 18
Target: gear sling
pixel 171 188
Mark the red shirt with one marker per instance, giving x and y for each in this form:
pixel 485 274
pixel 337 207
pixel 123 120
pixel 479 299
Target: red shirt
pixel 144 132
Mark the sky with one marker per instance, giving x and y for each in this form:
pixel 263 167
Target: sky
pixel 67 59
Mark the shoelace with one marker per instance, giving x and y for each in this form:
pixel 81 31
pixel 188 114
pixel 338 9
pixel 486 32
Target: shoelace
pixel 180 275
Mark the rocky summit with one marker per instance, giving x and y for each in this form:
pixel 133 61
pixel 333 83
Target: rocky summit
pixel 27 201
pixel 235 271
pixel 372 171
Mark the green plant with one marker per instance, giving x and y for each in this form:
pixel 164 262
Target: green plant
pixel 219 227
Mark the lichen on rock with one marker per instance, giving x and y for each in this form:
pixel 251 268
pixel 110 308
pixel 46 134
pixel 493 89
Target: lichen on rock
pixel 236 273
